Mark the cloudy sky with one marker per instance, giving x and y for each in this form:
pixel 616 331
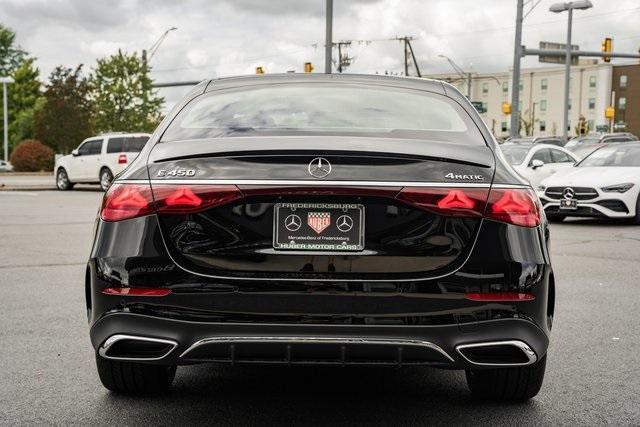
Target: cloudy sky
pixel 226 37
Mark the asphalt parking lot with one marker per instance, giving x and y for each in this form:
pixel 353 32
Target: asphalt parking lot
pixel 47 372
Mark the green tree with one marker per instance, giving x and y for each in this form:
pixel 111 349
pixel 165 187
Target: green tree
pixel 65 117
pixel 23 93
pixel 23 98
pixel 11 56
pixel 123 97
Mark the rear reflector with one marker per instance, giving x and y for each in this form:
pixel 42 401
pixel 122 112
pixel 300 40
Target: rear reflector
pixel 122 159
pixel 137 292
pixel 499 296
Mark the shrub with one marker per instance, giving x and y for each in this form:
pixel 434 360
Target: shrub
pixel 32 156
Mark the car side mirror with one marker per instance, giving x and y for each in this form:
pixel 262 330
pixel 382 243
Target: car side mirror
pixel 75 153
pixel 535 164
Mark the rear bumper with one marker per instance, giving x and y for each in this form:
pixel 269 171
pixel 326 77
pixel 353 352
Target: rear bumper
pixel 295 344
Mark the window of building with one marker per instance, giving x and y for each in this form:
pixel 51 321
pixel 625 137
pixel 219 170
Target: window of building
pixel 543 126
pixel 622 103
pixel 503 126
pixel 505 87
pixel 543 84
pixel 592 103
pixel 485 107
pixel 520 87
pixel 543 105
pixel 590 125
pixel 485 88
pixel 592 81
pixel 623 80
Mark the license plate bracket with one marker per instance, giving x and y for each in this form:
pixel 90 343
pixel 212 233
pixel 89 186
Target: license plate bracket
pixel 318 226
pixel 568 204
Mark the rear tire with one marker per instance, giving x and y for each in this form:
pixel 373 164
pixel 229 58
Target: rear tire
pixel 636 219
pixel 134 378
pixel 507 384
pixel 62 180
pixel 106 178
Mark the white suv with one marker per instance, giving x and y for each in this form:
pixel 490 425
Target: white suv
pixel 98 159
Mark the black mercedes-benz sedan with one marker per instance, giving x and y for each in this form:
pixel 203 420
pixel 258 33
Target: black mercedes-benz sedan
pixel 321 220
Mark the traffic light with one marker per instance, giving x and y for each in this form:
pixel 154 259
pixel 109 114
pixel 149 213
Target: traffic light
pixel 607 47
pixel 506 108
pixel 609 113
pixel 308 67
pixel 259 70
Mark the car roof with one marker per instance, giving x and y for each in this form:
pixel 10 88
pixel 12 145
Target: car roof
pixel 401 81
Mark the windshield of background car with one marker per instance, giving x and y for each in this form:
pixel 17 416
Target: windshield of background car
pixel 515 155
pixel 623 156
pixel 580 141
pixel 324 108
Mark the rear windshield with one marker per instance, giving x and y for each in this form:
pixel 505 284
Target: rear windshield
pixel 514 155
pixel 126 144
pixel 624 156
pixel 324 108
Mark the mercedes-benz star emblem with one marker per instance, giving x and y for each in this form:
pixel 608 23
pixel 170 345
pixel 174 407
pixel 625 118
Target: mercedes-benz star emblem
pixel 293 222
pixel 319 167
pixel 344 223
pixel 568 193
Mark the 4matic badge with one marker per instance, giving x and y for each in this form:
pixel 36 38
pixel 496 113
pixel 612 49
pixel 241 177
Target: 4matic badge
pixel 465 177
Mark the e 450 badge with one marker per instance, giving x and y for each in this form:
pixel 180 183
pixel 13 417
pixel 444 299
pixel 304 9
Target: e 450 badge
pixel 176 172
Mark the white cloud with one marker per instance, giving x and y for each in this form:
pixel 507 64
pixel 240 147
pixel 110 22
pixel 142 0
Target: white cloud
pixel 227 37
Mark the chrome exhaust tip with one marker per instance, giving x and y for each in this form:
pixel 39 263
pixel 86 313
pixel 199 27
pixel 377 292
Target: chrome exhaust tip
pixel 135 348
pixel 498 353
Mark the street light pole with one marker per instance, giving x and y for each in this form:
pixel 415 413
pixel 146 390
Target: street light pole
pixel 569 7
pixel 5 81
pixel 567 79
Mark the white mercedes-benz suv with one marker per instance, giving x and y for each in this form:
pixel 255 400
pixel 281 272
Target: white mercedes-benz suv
pixel 604 184
pixel 98 159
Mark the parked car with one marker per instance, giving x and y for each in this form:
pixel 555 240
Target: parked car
pixel 538 161
pixel 98 159
pixel 604 184
pixel 5 166
pixel 585 145
pixel 322 219
pixel 551 140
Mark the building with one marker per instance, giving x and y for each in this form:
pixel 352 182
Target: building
pixel 626 96
pixel 542 97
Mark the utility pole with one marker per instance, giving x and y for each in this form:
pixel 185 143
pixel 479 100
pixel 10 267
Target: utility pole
pixel 408 50
pixel 328 43
pixel 343 60
pixel 515 84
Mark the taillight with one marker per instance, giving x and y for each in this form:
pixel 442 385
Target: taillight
pixel 468 202
pixel 125 201
pixel 516 206
pixel 186 199
pixel 511 205
pixel 122 159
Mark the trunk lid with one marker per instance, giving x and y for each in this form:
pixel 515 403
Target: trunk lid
pixel 391 181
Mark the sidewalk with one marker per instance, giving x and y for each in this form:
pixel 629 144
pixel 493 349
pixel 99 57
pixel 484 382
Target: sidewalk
pixel 27 181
